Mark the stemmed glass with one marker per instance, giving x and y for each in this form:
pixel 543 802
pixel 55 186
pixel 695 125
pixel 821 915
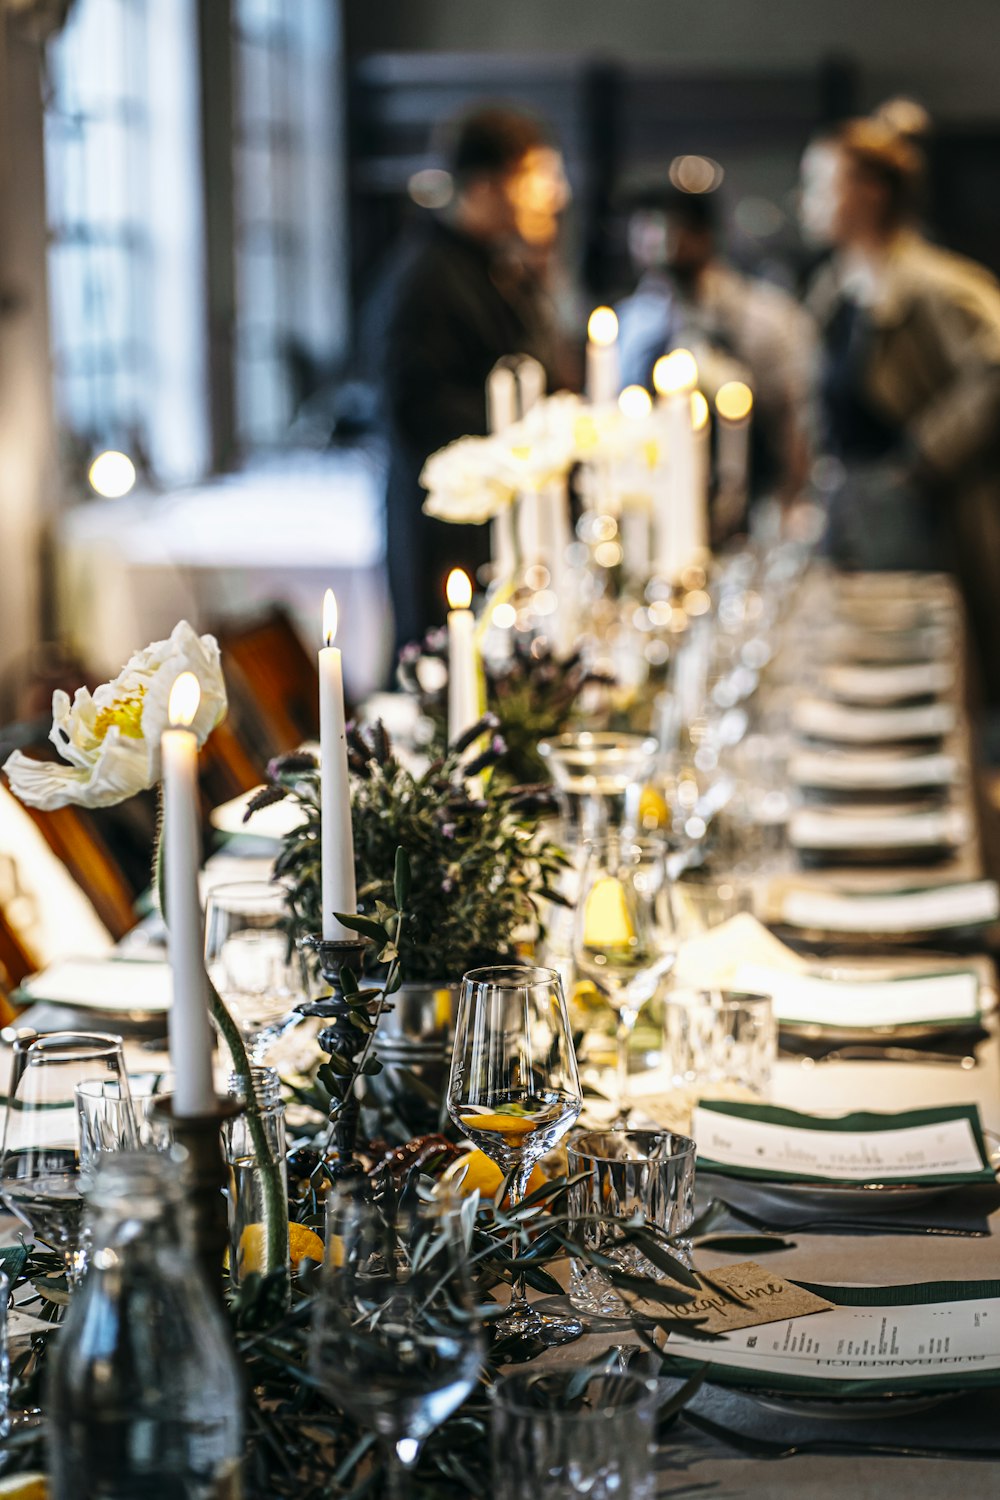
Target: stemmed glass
pixel 396 1337
pixel 40 1165
pixel 514 1091
pixel 624 939
pixel 253 961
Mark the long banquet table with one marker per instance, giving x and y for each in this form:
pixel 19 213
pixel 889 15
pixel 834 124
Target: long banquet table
pixel 862 1461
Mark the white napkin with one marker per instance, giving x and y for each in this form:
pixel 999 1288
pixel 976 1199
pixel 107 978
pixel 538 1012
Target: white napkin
pixel 962 904
pixel 713 959
pixel 839 771
pixel 812 828
pixel 855 1004
pixel 114 984
pixel 871 684
pixel 836 721
pixel 274 822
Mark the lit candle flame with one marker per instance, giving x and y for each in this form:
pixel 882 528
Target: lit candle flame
pixel 734 401
pixel 602 326
pixel 458 589
pixel 675 372
pixel 185 696
pixel 699 411
pixel 635 401
pixel 329 617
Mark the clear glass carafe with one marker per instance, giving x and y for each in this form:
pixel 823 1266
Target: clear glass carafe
pixel 144 1394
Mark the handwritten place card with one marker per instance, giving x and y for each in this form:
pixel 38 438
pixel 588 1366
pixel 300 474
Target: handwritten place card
pixel 762 1297
pixel 837 721
pixel 928 1146
pixel 857 1004
pixel 883 1340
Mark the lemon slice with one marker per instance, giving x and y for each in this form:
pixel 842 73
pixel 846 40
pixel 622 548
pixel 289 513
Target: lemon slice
pixel 24 1487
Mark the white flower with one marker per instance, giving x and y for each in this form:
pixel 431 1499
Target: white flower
pixel 112 739
pixel 467 482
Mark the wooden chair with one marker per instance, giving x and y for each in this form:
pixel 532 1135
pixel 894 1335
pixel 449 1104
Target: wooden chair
pixel 273 683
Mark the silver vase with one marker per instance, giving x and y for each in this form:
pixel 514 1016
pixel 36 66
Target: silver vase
pixel 413 1044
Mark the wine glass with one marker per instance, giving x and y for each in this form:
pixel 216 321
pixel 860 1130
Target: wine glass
pixel 514 1091
pixel 624 939
pixel 253 961
pixel 396 1337
pixel 40 1162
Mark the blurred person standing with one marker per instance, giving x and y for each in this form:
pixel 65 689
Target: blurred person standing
pixel 909 385
pixel 466 290
pixel 739 328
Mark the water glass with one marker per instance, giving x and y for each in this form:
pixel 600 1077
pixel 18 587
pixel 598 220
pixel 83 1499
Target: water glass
pixel 720 1043
pixel 40 1177
pixel 106 1120
pixel 621 1173
pixel 554 1437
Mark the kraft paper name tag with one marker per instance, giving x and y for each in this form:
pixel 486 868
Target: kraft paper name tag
pixel 763 1297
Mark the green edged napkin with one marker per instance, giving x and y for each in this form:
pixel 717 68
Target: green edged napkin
pixel 943 1146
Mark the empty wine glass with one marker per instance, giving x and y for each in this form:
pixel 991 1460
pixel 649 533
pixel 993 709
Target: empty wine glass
pixel 514 1091
pixel 40 1164
pixel 624 940
pixel 396 1337
pixel 253 961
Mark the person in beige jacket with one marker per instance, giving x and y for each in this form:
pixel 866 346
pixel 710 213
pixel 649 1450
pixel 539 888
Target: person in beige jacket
pixel 909 384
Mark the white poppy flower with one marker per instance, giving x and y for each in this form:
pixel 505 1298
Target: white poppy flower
pixel 467 482
pixel 111 739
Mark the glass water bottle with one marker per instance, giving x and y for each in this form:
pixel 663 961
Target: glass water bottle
pixel 144 1393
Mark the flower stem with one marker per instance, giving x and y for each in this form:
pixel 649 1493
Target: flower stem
pixel 272 1187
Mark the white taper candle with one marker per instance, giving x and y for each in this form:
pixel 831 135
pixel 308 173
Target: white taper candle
pixel 337 836
pixel 191 1037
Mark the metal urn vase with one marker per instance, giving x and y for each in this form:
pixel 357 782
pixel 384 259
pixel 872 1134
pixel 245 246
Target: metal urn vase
pixel 414 1043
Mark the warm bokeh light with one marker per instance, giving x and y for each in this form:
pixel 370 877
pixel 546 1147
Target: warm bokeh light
pixel 182 705
pixel 602 326
pixel 458 589
pixel 635 401
pixel 695 174
pixel 734 401
pixel 112 474
pixel 504 616
pixel 675 372
pixel 699 411
pixel 330 617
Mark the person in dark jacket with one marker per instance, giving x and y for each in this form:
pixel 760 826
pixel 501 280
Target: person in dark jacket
pixel 467 291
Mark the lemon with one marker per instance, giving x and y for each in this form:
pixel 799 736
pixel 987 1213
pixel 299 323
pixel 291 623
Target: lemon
pixel 653 810
pixel 25 1487
pixel 607 922
pixel 475 1170
pixel 303 1244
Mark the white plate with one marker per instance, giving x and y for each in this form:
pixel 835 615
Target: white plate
pixel 869 726
pixel 120 986
pixel 838 771
pixel 274 822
